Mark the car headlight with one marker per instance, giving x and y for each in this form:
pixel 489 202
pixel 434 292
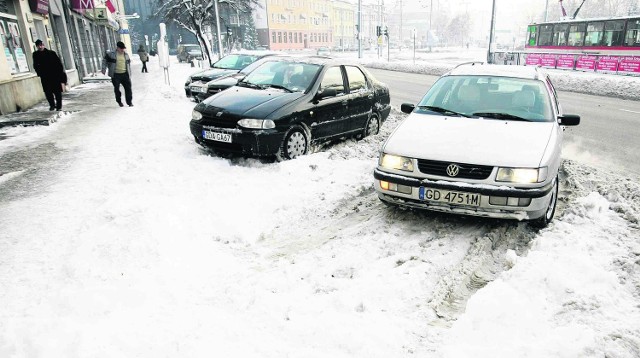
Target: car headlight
pixel 521 175
pixel 390 161
pixel 188 81
pixel 195 115
pixel 256 123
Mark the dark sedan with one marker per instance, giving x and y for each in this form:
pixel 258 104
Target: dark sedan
pixel 196 84
pixel 288 103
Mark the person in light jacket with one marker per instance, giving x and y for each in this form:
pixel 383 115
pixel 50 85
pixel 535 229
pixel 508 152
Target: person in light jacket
pixel 119 65
pixel 144 57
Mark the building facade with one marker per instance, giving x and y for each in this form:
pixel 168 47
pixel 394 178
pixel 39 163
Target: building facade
pixel 80 31
pixel 310 24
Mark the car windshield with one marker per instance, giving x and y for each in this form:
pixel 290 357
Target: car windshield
pixel 235 62
pixel 287 76
pixel 489 97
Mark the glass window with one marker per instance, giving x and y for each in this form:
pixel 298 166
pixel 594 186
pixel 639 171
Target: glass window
pixel 613 33
pixel 633 33
pixel 285 37
pixel 279 37
pixel 357 81
pixel 333 79
pixel 546 35
pixel 235 62
pixel 486 95
pixel 532 35
pixel 560 32
pixel 576 34
pixel 273 37
pixel 594 34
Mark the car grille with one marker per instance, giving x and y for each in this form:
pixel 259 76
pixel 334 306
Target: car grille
pixel 225 120
pixel 467 171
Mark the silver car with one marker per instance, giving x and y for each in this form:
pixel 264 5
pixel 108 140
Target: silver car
pixel 485 141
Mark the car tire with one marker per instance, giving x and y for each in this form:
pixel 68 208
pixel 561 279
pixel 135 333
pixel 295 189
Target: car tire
pixel 372 127
pixel 294 144
pixel 547 217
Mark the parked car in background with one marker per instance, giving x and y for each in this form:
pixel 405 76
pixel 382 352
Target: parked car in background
pixel 225 73
pixel 485 140
pixel 323 51
pixel 287 103
pixel 186 52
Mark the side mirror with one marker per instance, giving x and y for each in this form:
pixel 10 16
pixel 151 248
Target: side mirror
pixel 569 120
pixel 327 92
pixel 407 107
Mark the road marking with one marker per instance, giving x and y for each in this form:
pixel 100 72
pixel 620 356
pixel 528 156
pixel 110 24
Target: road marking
pixel 628 110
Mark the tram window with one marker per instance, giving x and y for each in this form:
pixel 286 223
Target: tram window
pixel 546 35
pixel 613 33
pixel 594 34
pixel 633 33
pixel 532 35
pixel 576 34
pixel 560 34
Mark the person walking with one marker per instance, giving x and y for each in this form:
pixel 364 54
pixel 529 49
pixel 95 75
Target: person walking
pixel 144 57
pixel 52 75
pixel 119 65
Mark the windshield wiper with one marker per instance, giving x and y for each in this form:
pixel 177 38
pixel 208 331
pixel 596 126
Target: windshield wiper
pixel 444 111
pixel 248 84
pixel 498 115
pixel 278 87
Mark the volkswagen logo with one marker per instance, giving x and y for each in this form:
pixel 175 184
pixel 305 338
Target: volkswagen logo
pixel 453 170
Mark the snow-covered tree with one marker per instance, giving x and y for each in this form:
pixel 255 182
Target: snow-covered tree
pixel 250 40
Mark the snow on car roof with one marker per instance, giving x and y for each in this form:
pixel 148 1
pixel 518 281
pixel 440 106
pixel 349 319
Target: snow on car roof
pixel 481 69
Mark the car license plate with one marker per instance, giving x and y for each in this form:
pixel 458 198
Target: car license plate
pixel 449 197
pixel 197 89
pixel 217 136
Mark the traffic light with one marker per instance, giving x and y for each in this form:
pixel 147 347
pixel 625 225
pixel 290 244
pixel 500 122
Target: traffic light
pixel 229 31
pixel 378 31
pixel 385 31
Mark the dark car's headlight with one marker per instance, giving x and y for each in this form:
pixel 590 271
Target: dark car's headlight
pixel 256 123
pixel 522 175
pixel 396 162
pixel 195 115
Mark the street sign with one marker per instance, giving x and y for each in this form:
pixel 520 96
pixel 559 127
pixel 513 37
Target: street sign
pixel 123 31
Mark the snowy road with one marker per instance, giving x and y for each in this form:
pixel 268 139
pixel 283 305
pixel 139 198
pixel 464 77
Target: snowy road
pixel 127 240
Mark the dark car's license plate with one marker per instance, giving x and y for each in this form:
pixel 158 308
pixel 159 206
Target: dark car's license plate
pixel 217 136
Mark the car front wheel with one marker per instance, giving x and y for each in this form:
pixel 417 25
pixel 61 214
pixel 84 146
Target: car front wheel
pixel 295 144
pixel 545 219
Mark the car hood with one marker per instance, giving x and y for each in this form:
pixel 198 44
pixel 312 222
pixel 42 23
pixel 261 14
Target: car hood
pixel 471 140
pixel 249 102
pixel 211 74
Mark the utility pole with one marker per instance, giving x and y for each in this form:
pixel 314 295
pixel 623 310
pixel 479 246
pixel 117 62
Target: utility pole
pixel 491 31
pixel 215 7
pixel 429 32
pixel 359 28
pixel 546 10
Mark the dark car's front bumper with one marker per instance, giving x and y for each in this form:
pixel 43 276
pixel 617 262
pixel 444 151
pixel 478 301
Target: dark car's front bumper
pixel 259 143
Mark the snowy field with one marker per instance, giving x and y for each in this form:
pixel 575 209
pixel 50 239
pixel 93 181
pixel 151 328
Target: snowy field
pixel 123 238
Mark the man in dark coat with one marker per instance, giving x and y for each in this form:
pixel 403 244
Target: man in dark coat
pixel 52 76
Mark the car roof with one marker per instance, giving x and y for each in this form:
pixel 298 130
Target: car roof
pixel 315 60
pixel 482 69
pixel 255 53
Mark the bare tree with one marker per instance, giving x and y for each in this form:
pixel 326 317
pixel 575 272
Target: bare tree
pixel 196 16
